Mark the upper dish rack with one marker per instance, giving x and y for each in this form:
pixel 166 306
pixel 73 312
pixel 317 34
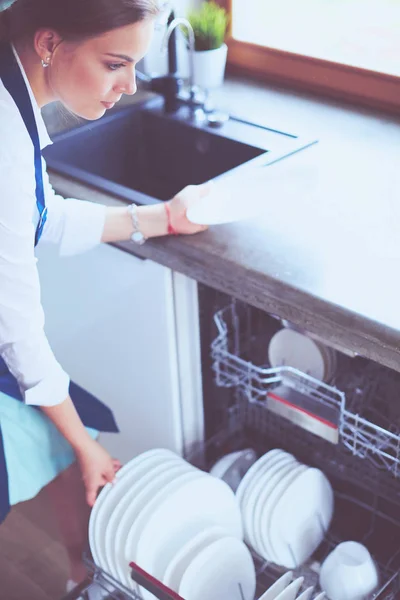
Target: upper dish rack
pixel 342 420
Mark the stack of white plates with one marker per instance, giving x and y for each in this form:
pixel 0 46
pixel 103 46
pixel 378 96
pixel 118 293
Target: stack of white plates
pixel 286 507
pixel 287 589
pixel 179 524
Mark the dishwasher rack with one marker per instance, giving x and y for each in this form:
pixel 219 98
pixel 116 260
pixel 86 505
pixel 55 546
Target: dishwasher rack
pixel 372 525
pixel 363 467
pixel 363 397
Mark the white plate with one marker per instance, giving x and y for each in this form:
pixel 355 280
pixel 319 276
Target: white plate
pixel 333 363
pixel 248 480
pixel 97 508
pixel 261 494
pixel 161 493
pixel 142 519
pixel 327 360
pixel 263 478
pixel 293 349
pixel 117 493
pixel 167 548
pixel 278 587
pixel 306 595
pixel 246 488
pixel 171 520
pixel 320 596
pixel 291 591
pixel 330 359
pixel 176 569
pixel 253 191
pixel 301 518
pixel 230 199
pixel 225 569
pixel 138 486
pixel 137 504
pixel 265 540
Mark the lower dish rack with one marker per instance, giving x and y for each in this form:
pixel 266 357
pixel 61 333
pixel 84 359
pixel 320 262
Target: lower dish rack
pixel 371 527
pixel 265 575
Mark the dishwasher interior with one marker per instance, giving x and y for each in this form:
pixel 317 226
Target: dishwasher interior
pixel 362 463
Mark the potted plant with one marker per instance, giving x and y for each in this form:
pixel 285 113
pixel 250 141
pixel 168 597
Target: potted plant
pixel 210 23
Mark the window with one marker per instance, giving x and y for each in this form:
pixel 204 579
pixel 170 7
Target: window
pixel 345 48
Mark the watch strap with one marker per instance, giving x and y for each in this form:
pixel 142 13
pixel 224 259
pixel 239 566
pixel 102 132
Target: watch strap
pixel 137 236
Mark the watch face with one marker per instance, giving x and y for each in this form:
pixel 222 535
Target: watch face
pixel 138 237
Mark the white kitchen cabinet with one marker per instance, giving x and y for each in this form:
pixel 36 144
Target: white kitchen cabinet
pixel 127 330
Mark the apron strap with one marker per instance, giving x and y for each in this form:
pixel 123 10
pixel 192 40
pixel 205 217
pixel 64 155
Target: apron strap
pixel 92 412
pixel 14 82
pixel 4 497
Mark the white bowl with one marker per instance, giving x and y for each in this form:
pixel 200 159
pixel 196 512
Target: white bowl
pixel 232 467
pixel 349 573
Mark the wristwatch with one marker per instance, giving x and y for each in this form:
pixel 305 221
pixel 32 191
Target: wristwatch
pixel 137 236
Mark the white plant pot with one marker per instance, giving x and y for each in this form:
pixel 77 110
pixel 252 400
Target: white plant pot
pixel 209 67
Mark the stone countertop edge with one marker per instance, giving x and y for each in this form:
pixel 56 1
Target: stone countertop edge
pixel 199 257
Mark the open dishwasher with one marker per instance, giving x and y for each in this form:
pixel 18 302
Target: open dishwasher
pixel 245 407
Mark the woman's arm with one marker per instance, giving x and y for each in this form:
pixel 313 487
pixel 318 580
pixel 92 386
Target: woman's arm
pixel 118 223
pixel 153 220
pixel 97 467
pixel 78 225
pixel 68 422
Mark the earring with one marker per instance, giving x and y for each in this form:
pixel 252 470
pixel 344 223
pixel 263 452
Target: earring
pixel 45 63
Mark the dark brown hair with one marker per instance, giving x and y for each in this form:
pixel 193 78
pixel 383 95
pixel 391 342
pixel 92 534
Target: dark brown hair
pixel 73 20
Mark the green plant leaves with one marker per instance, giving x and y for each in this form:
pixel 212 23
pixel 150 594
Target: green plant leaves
pixel 209 24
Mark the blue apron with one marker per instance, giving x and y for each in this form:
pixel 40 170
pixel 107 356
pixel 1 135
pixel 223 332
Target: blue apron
pixel 93 413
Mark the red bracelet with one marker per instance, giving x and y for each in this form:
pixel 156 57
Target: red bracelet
pixel 171 229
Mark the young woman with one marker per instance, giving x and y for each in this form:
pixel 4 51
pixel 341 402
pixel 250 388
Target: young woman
pixel 82 53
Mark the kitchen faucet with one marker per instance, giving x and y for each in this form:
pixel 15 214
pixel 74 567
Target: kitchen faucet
pixel 170 85
pixel 170 34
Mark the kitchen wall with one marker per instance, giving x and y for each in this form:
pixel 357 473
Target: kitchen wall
pixel 156 60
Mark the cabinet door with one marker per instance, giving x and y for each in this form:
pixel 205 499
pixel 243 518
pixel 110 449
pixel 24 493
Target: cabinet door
pixel 110 321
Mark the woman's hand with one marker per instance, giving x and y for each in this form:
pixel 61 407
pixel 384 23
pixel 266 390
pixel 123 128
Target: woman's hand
pixel 153 219
pixel 97 468
pixel 181 202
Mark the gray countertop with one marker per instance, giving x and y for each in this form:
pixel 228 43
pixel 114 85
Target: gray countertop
pixel 327 259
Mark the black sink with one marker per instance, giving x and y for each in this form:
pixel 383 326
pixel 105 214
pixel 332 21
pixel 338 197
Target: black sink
pixel 142 154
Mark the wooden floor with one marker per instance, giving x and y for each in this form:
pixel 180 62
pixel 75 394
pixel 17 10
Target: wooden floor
pixel 33 563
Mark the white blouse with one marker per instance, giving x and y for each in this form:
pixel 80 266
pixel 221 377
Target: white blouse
pixel 74 225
